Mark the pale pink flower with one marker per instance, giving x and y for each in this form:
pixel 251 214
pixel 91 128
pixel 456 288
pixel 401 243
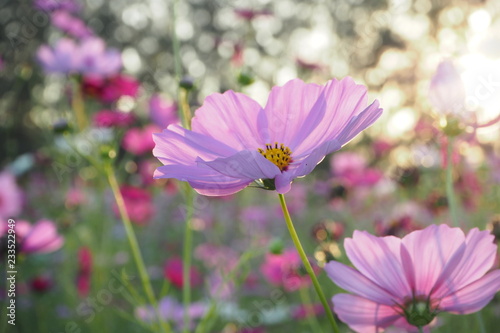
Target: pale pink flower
pixel 406 282
pixel 351 169
pixel 11 196
pixel 162 111
pixel 447 90
pixel 41 237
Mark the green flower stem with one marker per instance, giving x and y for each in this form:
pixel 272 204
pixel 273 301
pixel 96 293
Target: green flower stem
pixel 420 329
pixel 306 263
pixel 78 105
pixel 452 200
pixel 186 256
pixel 311 318
pixel 480 322
pixel 146 283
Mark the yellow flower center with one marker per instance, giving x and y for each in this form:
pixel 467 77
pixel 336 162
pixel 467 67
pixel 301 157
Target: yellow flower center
pixel 280 155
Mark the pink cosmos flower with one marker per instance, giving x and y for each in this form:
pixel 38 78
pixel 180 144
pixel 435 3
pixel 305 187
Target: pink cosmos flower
pixel 138 202
pixel 352 170
pixel 84 271
pixel 162 111
pixel 447 91
pixel 173 273
pixel 69 24
pixel 41 237
pixel 110 118
pixel 11 196
pixel 286 270
pixel 139 141
pixel 234 141
pixel 406 282
pixel 51 5
pixel 109 89
pixel 62 58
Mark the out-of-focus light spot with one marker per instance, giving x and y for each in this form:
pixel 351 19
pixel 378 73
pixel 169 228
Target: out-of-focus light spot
pixel 196 68
pixel 225 49
pixel 479 20
pixel 259 91
pixel 391 97
pixel 401 122
pixel 285 9
pixel 251 56
pixel 395 60
pixel 335 250
pixel 198 224
pixel 451 17
pixel 184 30
pixel 125 103
pixel 131 60
pixel 88 172
pixel 131 167
pixel 448 41
pixel 309 45
pixel 285 74
pixel 52 92
pixel 320 256
pixel 481 77
pixel 473 154
pixel 411 27
pixel 136 16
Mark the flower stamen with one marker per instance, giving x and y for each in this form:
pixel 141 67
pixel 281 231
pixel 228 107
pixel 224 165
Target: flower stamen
pixel 279 154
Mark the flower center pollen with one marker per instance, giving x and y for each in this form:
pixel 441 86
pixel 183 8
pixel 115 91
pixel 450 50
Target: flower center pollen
pixel 279 154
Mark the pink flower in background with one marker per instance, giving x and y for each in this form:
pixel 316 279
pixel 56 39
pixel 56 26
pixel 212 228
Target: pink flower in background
pixel 11 196
pixel 234 141
pixel 173 273
pixel 84 271
pixel 41 237
pixel 351 169
pixel 285 270
pixel 447 91
pixel 162 111
pixel 95 59
pixel 304 311
pixel 118 86
pixel 171 310
pixel 111 118
pixel 90 57
pixel 250 14
pixel 62 58
pixel 494 163
pixel 138 202
pixel 406 282
pixel 69 24
pixel 139 140
pixel 146 169
pixel 75 197
pixel 51 5
pixel 217 257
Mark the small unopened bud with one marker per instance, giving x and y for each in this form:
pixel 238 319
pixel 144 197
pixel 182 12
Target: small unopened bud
pixel 187 83
pixel 61 126
pixel 245 79
pixel 276 246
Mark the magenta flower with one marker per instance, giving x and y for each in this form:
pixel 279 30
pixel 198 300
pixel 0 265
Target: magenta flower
pixel 11 196
pixel 139 204
pixel 234 141
pixel 286 270
pixel 406 282
pixel 139 140
pixel 447 91
pixel 51 5
pixel 110 118
pixel 173 273
pixel 41 237
pixel 352 170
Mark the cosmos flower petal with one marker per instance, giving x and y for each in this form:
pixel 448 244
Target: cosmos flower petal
pixel 447 90
pixel 245 164
pixel 378 259
pixel 363 315
pixel 473 297
pixel 176 145
pixel 355 282
pixel 360 122
pixel 287 108
pixel 42 238
pixel 478 258
pixel 205 181
pixel 338 103
pixel 429 250
pixel 232 118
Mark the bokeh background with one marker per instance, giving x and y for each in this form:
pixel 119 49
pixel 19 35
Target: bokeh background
pixel 392 47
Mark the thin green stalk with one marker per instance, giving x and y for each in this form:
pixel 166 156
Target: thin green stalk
pixel 134 245
pixel 175 43
pixel 420 329
pixel 311 318
pixel 186 257
pixel 480 322
pixel 78 105
pixel 306 263
pixel 452 200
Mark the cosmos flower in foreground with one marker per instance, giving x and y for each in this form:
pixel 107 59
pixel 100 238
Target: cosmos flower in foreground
pixel 406 282
pixel 234 141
